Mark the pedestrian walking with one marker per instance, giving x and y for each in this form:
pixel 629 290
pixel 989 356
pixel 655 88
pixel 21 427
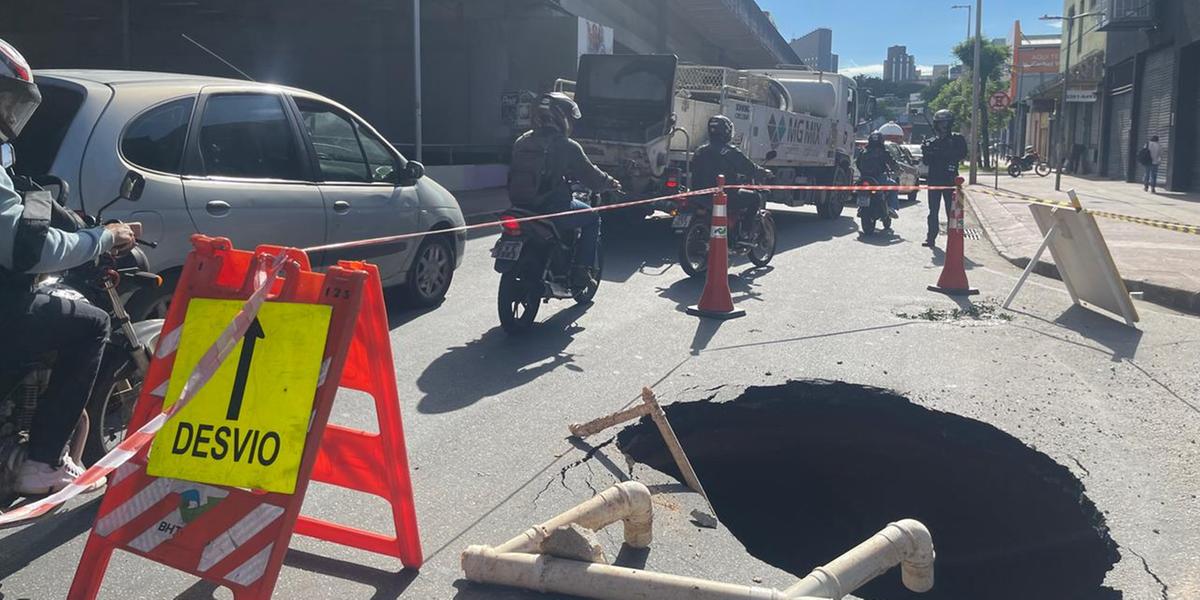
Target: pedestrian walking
pixel 1150 155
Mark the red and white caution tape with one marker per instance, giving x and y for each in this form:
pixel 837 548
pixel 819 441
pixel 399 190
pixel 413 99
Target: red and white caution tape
pixel 212 359
pixel 673 197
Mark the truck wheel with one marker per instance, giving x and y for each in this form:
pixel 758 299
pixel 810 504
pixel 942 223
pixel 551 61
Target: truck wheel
pixel 823 207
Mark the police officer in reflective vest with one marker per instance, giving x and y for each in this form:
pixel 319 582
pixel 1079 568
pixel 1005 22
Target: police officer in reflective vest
pixel 943 153
pixel 35 323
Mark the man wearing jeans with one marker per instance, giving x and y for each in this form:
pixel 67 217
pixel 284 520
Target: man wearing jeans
pixel 1151 180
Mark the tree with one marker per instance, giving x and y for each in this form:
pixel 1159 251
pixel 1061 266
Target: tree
pixel 993 60
pixel 955 96
pixel 935 88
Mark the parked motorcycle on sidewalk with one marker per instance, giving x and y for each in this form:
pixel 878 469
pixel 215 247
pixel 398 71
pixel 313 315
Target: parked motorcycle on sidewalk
pixel 534 259
pixel 1031 161
pixel 872 207
pixel 751 232
pixel 126 354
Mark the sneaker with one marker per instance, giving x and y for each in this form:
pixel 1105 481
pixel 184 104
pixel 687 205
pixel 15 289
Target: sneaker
pixel 38 478
pixel 893 214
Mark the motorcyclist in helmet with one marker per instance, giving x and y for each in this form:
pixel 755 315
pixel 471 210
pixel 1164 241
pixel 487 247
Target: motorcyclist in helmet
pixel 720 157
pixel 942 153
pixel 544 162
pixel 33 322
pixel 876 163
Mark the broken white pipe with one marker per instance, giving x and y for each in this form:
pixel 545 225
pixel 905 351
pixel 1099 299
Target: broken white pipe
pixel 628 501
pixel 602 582
pixel 906 543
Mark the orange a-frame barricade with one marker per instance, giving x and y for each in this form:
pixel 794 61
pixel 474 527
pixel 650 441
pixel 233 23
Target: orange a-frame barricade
pixel 234 537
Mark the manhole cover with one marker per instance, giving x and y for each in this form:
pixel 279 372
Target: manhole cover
pixel 803 472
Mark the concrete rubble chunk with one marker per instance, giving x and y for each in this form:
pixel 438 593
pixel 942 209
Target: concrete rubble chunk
pixel 575 543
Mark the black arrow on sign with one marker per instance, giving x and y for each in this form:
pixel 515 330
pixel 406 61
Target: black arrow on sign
pixel 253 334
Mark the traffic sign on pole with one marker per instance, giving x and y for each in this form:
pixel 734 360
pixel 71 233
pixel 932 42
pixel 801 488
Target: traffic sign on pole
pixel 999 101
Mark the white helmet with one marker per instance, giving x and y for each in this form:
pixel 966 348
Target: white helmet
pixel 891 131
pixel 19 97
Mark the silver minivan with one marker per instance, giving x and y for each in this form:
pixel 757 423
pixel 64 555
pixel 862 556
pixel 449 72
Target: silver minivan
pixel 256 163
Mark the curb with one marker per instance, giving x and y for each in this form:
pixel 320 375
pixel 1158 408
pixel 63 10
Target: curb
pixel 1170 297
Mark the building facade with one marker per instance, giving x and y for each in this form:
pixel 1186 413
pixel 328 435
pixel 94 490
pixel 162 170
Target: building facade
pixel 477 55
pixel 899 65
pixel 1035 66
pixel 1152 87
pixel 816 50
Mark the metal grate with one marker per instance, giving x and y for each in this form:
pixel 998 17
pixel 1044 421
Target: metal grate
pixel 972 234
pixel 693 78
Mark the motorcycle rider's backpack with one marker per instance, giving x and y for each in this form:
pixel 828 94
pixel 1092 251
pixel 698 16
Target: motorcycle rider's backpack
pixel 529 176
pixel 1143 155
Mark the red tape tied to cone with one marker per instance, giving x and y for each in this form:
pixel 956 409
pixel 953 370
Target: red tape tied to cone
pixel 208 365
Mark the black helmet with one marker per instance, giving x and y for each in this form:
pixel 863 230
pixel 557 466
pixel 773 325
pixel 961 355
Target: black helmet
pixel 875 139
pixel 720 130
pixel 943 122
pixel 555 110
pixel 19 97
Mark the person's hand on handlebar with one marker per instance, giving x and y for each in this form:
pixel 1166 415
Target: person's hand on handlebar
pixel 124 236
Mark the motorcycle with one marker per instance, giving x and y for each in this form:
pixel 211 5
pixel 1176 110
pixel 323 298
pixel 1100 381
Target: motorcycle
pixel 872 207
pixel 534 259
pixel 1030 162
pixel 126 354
pixel 751 234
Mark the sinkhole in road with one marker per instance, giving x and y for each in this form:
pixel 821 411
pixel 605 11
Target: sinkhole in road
pixel 804 471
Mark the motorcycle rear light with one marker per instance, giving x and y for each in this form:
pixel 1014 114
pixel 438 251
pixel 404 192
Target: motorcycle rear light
pixel 672 183
pixel 510 225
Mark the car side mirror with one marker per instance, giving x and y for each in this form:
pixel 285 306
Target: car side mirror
pixel 8 156
pixel 771 155
pixel 413 170
pixel 132 186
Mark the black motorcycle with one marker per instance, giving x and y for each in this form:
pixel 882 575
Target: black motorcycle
pixel 104 283
pixel 1030 162
pixel 872 207
pixel 751 234
pixel 534 259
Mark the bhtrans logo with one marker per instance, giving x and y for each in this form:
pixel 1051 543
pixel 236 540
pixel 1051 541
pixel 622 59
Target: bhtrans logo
pixel 793 130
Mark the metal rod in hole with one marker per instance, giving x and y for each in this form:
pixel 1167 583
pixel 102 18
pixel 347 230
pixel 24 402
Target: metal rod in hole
pixel 597 425
pixel 681 459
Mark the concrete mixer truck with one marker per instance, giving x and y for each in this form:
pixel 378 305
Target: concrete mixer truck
pixel 644 116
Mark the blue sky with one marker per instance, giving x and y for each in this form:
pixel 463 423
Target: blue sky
pixel 863 29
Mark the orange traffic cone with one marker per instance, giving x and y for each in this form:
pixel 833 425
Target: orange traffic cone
pixel 954 273
pixel 717 301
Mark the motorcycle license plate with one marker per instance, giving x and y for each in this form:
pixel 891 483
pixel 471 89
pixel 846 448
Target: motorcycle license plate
pixel 863 200
pixel 681 221
pixel 507 250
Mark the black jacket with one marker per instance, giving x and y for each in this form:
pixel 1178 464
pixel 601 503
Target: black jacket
pixel 712 160
pixel 943 154
pixel 875 161
pixel 554 160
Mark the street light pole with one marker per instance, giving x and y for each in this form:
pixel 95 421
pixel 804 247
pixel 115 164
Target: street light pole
pixel 418 150
pixel 1063 131
pixel 968 7
pixel 975 93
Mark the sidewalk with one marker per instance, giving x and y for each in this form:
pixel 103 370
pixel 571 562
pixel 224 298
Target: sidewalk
pixel 1164 265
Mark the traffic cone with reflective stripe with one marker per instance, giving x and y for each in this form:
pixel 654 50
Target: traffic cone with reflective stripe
pixel 717 301
pixel 954 273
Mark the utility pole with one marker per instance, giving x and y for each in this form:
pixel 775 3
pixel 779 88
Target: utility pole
pixel 416 12
pixel 1062 129
pixel 976 91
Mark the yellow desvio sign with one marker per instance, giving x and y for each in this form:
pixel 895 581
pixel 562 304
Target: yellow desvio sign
pixel 246 427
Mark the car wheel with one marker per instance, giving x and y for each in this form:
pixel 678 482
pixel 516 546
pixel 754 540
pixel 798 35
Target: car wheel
pixel 431 272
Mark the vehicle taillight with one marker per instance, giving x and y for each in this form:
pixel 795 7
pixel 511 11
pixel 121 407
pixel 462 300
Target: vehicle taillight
pixel 510 225
pixel 672 182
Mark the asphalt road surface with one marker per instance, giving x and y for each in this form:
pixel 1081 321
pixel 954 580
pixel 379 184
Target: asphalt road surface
pixel 486 415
